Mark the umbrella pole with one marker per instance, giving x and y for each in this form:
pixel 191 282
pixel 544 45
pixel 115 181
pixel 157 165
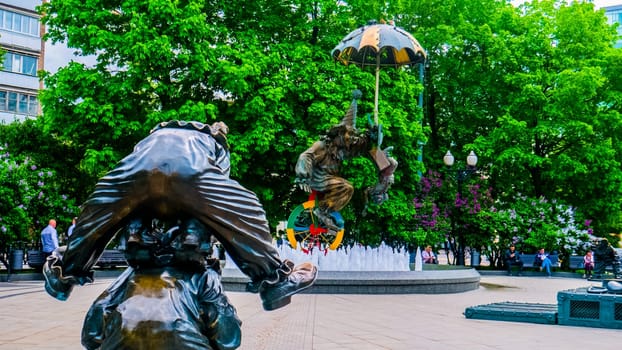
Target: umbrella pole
pixel 376 95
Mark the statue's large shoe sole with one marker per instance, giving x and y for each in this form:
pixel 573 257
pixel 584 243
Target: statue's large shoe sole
pixel 272 303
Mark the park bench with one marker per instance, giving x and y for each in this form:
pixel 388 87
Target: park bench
pixel 575 262
pixel 35 259
pixel 528 260
pixel 111 258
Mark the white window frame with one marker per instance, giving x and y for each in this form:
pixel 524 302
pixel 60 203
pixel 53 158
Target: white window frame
pixel 16 63
pixel 19 23
pixel 18 103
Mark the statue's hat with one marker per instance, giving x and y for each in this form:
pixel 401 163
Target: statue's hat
pixel 350 117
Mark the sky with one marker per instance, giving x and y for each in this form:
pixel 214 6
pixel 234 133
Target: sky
pixel 59 55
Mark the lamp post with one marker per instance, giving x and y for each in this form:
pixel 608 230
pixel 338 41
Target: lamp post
pixel 460 175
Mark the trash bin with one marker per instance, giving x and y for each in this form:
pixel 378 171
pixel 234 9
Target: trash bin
pixel 475 258
pixel 16 259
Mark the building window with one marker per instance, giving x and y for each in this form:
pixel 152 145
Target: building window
pixel 16 102
pixel 33 105
pixel 17 22
pixel 12 103
pixel 16 63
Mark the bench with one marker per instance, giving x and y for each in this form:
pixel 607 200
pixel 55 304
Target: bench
pixel 35 259
pixel 111 258
pixel 528 260
pixel 575 262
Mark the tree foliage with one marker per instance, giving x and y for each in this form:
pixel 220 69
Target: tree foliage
pixel 535 91
pixel 31 193
pixel 263 68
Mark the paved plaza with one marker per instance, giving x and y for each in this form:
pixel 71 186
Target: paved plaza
pixel 30 319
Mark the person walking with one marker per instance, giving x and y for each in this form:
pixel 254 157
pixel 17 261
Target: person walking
pixel 49 238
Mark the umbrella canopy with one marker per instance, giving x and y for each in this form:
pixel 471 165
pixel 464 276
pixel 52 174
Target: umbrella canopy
pixel 379 45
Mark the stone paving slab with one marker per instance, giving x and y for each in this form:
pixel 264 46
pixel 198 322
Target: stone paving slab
pixel 30 319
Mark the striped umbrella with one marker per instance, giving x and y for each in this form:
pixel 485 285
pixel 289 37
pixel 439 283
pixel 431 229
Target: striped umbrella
pixel 379 45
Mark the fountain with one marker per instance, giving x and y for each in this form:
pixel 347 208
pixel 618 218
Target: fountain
pixel 352 258
pixel 364 270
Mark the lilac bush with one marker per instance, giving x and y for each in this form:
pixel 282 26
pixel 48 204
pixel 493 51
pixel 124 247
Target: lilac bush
pixel 541 223
pixel 431 217
pixel 490 225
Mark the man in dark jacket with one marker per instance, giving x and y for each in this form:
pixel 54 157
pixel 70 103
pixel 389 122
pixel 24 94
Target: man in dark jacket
pixel 512 258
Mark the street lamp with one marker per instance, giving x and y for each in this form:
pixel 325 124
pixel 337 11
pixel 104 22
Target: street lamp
pixel 460 175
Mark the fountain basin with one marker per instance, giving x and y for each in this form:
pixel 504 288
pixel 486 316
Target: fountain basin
pixel 377 282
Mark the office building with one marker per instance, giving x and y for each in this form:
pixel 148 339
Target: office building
pixel 614 15
pixel 21 37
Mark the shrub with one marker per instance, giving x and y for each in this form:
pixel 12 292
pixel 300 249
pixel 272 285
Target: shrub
pixel 29 197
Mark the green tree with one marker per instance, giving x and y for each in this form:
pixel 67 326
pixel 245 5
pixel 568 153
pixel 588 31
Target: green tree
pixel 535 91
pixel 30 195
pixel 558 135
pixel 264 68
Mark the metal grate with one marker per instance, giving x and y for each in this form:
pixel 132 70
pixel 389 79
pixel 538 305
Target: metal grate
pixel 617 313
pixel 584 309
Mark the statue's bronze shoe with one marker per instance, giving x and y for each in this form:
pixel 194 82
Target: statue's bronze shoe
pixel 614 287
pixel 300 277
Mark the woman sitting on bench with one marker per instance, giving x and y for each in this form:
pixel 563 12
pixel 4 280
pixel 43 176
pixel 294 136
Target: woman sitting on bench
pixel 543 262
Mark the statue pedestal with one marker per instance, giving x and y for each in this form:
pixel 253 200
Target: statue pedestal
pixel 577 307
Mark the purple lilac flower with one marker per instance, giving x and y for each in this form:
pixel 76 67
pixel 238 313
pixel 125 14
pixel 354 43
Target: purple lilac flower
pixel 3 229
pixel 477 208
pixel 40 184
pixel 40 173
pixel 426 185
pixel 435 210
pixel 33 167
pixel 49 173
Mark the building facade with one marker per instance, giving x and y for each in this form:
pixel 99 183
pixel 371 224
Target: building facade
pixel 21 37
pixel 614 15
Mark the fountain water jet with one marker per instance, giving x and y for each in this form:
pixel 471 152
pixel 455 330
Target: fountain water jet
pixel 352 258
pixel 364 270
